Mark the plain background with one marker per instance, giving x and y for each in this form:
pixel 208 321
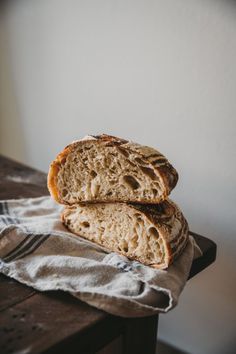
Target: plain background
pixel 162 73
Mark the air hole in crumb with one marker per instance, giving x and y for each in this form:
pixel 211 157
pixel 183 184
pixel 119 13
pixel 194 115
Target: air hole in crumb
pixel 123 152
pixel 131 182
pixel 151 256
pixel 131 163
pixel 139 224
pixel 134 241
pixel 125 246
pixel 148 172
pixel 109 193
pixel 153 231
pixel 93 174
pixel 140 161
pixel 154 191
pixel 159 160
pixel 64 192
pixel 85 224
pixel 118 164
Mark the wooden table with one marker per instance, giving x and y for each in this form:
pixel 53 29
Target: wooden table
pixel 55 322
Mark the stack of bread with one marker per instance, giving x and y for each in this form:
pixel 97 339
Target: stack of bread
pixel 115 194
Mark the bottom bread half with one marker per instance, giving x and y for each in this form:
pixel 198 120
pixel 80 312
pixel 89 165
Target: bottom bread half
pixel 154 235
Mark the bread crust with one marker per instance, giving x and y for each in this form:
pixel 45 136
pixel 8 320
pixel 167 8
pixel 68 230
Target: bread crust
pixel 164 217
pixel 165 170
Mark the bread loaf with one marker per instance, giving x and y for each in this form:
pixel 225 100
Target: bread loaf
pixel 152 234
pixel 108 169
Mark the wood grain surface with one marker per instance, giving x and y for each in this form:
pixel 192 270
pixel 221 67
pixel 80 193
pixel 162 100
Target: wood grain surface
pixel 55 322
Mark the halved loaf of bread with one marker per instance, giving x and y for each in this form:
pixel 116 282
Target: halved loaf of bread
pixel 152 234
pixel 109 169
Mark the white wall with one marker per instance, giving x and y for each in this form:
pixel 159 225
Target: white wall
pixel 162 73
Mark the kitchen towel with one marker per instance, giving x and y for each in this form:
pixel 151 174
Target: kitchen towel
pixel 37 250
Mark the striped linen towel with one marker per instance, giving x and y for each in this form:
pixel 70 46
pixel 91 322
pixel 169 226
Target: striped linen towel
pixel 37 250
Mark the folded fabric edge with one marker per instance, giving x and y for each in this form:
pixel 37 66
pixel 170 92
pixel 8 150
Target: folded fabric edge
pixel 125 307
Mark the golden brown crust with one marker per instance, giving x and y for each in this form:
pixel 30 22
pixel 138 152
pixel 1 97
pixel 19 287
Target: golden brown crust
pixel 55 168
pixel 51 181
pixel 165 170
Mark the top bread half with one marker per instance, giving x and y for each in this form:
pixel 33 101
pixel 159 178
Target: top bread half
pixel 104 168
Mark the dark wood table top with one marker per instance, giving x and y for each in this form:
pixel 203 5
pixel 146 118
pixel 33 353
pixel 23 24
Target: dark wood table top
pixel 34 322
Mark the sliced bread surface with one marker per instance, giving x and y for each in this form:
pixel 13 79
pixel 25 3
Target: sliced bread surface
pixel 151 234
pixel 109 169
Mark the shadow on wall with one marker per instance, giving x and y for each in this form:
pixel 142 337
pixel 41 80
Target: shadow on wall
pixel 12 140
